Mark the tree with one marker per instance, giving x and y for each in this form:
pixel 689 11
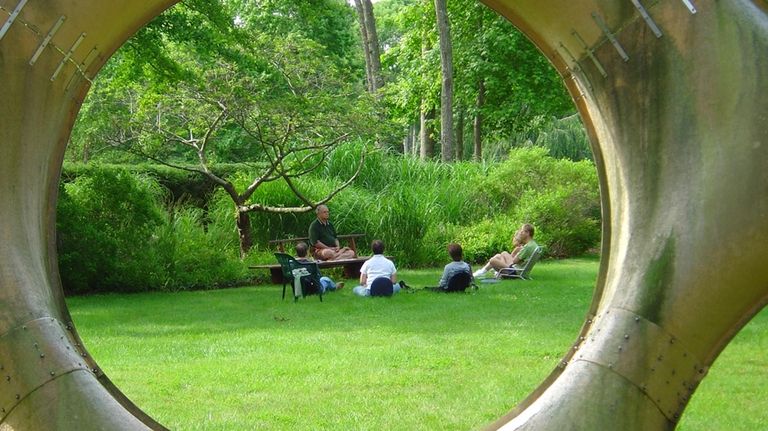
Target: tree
pixel 292 115
pixel 503 82
pixel 446 68
pixel 370 40
pixel 281 104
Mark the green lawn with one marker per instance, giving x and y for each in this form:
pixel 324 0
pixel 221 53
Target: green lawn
pixel 242 359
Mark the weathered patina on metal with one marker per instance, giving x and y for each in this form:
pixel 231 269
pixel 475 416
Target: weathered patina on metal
pixel 672 94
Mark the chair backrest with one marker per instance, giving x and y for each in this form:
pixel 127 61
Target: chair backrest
pixel 310 284
pixel 531 261
pixel 286 264
pixel 382 286
pixel 459 282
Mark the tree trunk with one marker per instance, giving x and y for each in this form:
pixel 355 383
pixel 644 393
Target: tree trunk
pixel 446 67
pixel 408 140
pixel 244 232
pixel 427 147
pixel 459 153
pixel 373 45
pixel 364 38
pixel 478 126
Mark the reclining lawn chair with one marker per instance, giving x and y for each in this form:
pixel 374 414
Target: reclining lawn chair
pixel 308 273
pixel 524 273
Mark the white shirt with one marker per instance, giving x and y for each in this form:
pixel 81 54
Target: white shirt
pixel 377 266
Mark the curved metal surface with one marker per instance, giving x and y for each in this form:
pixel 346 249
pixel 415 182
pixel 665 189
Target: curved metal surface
pixel 671 92
pixel 49 51
pixel 682 153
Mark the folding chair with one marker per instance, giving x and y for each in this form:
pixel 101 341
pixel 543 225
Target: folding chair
pixel 309 277
pixel 308 274
pixel 524 273
pixel 286 262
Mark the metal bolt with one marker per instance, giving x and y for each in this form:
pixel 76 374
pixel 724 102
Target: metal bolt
pixel 626 336
pixel 84 355
pixel 671 341
pixel 701 371
pixel 35 344
pixel 619 348
pixel 7 378
pixel 42 355
pixel 53 373
pixel 24 327
pixel 637 319
pixel 659 358
pixel 17 396
pixel 610 365
pixel 653 369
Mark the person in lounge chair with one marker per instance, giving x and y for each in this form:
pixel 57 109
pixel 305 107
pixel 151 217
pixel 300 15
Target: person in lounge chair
pixel 322 237
pixel 325 282
pixel 524 245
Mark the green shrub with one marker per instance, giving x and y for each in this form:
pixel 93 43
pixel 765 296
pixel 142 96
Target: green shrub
pixel 106 225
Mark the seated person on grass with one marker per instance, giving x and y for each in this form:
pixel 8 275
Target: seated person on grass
pixel 456 266
pixel 322 237
pixel 326 283
pixel 524 245
pixel 377 266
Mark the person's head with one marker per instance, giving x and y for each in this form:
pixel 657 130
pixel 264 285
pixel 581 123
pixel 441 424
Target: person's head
pixel 377 246
pixel 526 232
pixel 301 249
pixel 455 251
pixel 323 213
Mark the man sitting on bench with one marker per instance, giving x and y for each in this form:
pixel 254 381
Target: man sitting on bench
pixel 322 238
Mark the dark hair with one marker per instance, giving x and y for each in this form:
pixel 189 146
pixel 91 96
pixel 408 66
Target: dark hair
pixel 455 251
pixel 377 246
pixel 528 228
pixel 301 249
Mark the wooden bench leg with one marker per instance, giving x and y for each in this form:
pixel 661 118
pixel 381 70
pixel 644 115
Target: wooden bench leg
pixel 276 275
pixel 352 270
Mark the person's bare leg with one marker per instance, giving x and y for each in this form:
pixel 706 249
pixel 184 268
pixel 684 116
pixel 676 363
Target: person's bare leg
pixel 346 253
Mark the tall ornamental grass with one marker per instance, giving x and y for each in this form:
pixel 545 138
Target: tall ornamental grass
pixel 418 207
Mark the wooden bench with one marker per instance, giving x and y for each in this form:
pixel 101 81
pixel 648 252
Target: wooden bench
pixel 351 267
pixel 350 238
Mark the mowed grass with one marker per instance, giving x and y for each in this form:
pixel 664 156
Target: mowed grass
pixel 243 359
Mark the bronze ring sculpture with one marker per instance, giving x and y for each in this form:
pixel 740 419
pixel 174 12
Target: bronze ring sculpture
pixel 672 93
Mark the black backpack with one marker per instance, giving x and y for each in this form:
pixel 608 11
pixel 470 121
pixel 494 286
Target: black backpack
pixel 459 282
pixel 382 286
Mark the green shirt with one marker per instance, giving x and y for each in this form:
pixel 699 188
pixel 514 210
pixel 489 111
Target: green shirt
pixel 324 233
pixel 526 252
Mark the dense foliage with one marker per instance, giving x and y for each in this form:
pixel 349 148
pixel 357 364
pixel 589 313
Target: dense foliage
pixel 116 234
pixel 120 230
pixel 255 111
